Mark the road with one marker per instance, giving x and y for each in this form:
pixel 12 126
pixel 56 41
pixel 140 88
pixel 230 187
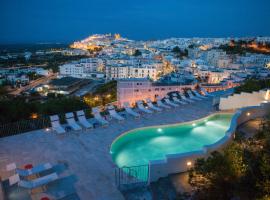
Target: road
pixel 33 84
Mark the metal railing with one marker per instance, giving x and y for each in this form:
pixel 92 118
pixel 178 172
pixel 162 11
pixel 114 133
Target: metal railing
pixel 41 122
pixel 23 126
pixel 131 177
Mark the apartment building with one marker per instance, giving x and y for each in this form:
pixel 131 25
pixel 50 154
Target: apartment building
pixel 122 71
pixel 214 55
pixel 72 70
pixel 81 69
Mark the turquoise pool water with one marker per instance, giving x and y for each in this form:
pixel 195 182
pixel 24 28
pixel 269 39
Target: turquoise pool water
pixel 138 146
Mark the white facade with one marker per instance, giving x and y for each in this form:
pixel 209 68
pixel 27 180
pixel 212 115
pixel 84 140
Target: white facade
pixel 82 69
pixel 73 70
pixel 213 77
pixel 42 72
pixel 224 62
pixel 244 99
pixel 122 72
pixel 213 56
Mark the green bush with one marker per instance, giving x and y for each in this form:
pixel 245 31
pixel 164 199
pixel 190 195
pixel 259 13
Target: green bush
pixel 251 85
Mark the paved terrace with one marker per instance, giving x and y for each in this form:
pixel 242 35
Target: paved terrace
pixel 87 152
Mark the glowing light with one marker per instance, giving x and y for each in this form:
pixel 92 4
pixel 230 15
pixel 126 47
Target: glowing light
pixel 189 163
pixel 34 116
pixel 159 130
pixel 47 129
pixel 248 114
pixel 96 98
pixel 193 124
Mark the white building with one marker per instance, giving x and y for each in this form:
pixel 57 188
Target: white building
pixel 85 68
pixel 214 55
pixel 122 71
pixel 73 70
pixel 42 72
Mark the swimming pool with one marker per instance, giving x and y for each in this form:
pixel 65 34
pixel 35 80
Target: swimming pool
pixel 139 146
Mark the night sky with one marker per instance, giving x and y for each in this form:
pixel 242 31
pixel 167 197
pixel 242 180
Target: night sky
pixel 31 21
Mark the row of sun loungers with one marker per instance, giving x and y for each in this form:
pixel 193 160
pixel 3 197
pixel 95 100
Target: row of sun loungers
pixel 176 99
pixel 175 102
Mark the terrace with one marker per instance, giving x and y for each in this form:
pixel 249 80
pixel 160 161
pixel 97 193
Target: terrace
pixel 87 152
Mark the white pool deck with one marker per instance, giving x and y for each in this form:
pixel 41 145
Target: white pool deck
pixel 87 152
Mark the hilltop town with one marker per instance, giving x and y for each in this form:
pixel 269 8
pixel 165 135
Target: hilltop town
pixel 212 61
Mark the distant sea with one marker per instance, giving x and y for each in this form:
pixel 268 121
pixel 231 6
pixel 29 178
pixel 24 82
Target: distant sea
pixel 15 48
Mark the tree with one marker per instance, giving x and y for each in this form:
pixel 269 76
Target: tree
pixel 191 46
pixel 176 49
pixel 104 94
pixel 243 164
pixel 251 85
pixel 3 91
pixel 137 53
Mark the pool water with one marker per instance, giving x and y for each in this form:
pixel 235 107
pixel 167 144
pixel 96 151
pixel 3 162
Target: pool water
pixel 139 146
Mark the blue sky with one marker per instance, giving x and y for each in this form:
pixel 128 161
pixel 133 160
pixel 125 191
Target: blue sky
pixel 27 21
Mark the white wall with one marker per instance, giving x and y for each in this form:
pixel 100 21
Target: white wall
pixel 243 100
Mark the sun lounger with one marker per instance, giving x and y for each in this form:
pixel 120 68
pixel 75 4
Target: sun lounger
pixel 35 170
pixel 161 104
pixel 38 182
pixel 98 117
pixel 82 119
pixel 191 96
pixel 71 122
pixel 56 124
pixel 114 114
pixel 176 100
pixel 142 108
pixel 199 95
pixel 206 93
pixel 167 100
pixel 150 105
pixel 130 111
pixel 11 167
pixel 184 98
pixel 14 179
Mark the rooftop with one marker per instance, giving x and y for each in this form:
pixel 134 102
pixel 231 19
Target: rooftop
pixel 65 81
pixel 87 153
